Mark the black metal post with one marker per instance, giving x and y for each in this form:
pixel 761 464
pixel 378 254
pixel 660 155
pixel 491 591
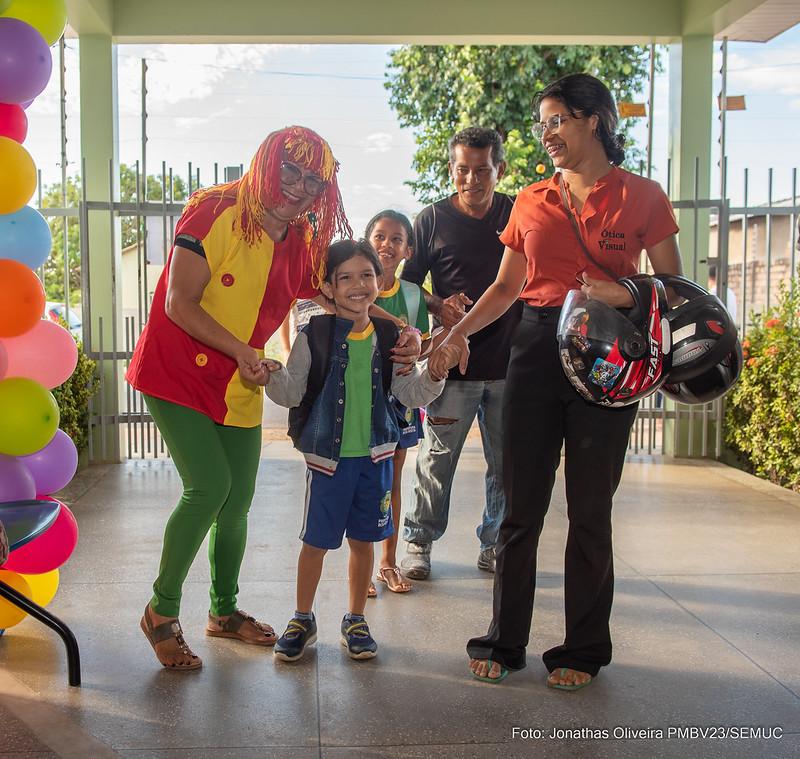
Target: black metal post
pixel 54 623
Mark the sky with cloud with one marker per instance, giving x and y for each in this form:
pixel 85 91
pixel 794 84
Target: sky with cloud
pixel 215 103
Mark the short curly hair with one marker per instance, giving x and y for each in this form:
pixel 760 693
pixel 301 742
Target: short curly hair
pixel 479 137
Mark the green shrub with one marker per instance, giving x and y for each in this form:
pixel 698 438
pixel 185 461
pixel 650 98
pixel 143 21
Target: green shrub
pixel 763 411
pixel 73 398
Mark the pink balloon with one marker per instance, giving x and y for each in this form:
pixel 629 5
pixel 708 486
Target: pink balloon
pixel 16 482
pixel 49 550
pixel 46 353
pixel 53 466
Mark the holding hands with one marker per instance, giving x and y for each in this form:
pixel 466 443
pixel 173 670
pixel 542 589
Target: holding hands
pixel 407 350
pixel 452 351
pixel 270 366
pixel 251 369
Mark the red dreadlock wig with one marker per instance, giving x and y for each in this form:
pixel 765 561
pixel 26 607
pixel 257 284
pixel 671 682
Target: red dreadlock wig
pixel 260 188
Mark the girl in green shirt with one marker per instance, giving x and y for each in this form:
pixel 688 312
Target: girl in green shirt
pixel 390 233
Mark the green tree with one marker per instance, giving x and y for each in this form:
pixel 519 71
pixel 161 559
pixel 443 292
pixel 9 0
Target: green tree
pixel 128 193
pixel 53 278
pixel 438 89
pixel 53 197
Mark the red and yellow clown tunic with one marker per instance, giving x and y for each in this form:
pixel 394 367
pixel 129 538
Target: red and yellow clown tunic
pixel 251 289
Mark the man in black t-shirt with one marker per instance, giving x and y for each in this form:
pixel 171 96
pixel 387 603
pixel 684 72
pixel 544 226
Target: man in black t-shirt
pixel 457 241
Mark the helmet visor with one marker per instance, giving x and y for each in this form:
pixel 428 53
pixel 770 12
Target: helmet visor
pixel 586 319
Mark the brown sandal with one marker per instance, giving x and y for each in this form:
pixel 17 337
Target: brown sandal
pixel 165 631
pixel 372 591
pixel 230 628
pixel 393 579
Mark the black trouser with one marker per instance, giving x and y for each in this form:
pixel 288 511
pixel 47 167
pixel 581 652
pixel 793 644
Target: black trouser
pixel 540 411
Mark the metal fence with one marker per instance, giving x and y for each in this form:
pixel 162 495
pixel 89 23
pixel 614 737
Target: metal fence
pixel 753 246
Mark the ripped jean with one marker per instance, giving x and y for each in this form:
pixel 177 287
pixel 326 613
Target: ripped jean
pixel 447 422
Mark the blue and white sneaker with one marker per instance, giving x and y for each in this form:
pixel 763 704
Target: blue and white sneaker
pixel 299 634
pixel 356 638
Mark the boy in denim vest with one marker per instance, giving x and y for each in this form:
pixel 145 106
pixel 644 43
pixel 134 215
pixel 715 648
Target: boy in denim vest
pixel 339 383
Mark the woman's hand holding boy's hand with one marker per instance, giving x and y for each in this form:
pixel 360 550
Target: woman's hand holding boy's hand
pixel 270 366
pixel 251 369
pixel 453 350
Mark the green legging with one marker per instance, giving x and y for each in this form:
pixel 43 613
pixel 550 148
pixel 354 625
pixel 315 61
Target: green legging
pixel 218 467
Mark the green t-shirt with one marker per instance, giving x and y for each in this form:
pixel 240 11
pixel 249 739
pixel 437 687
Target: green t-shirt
pixel 393 301
pixel 358 394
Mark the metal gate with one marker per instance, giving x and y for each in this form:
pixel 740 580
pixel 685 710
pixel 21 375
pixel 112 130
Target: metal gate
pixel 754 248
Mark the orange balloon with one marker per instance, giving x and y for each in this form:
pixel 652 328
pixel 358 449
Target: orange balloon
pixel 22 298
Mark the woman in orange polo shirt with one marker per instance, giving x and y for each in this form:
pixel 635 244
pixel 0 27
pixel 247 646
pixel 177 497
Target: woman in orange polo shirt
pixel 618 215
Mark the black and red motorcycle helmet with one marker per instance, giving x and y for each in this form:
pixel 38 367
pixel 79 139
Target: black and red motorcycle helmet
pixel 615 357
pixel 706 352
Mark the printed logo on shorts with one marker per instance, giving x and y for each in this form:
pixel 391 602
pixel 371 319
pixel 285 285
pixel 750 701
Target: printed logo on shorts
pixel 386 505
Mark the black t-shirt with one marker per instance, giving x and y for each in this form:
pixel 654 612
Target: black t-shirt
pixel 463 255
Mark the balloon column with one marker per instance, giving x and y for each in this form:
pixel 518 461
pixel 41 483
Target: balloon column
pixel 36 355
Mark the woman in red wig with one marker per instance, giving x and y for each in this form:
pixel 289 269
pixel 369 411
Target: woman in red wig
pixel 243 252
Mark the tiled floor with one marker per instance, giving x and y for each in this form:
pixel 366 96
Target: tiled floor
pixel 705 630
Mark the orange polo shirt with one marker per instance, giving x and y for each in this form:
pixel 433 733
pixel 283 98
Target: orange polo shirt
pixel 623 215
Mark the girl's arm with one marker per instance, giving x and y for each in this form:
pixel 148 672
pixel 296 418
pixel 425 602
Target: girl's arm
pixel 285 336
pixel 497 299
pixel 188 276
pixel 374 310
pixel 408 346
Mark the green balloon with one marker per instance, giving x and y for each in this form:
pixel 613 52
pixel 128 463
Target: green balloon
pixel 28 416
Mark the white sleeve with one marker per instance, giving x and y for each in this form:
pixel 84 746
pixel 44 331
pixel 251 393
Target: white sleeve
pixel 287 386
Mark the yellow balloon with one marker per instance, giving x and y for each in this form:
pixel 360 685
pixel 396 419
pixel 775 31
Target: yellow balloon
pixel 10 615
pixel 43 587
pixel 17 176
pixel 49 17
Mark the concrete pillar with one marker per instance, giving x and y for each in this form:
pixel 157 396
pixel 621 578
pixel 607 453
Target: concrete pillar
pixel 100 152
pixel 691 115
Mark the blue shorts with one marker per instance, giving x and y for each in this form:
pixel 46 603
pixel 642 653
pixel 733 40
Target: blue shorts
pixel 409 421
pixel 356 500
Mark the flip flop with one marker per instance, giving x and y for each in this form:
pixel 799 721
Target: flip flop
pixel 398 579
pixel 486 679
pixel 574 686
pixel 371 591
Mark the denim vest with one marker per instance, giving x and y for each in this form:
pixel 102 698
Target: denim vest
pixel 321 439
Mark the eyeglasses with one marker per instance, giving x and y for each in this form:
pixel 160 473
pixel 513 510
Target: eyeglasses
pixel 553 124
pixel 291 174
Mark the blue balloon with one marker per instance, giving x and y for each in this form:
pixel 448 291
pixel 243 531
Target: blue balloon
pixel 25 237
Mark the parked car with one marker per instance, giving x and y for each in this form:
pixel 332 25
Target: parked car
pixel 56 311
